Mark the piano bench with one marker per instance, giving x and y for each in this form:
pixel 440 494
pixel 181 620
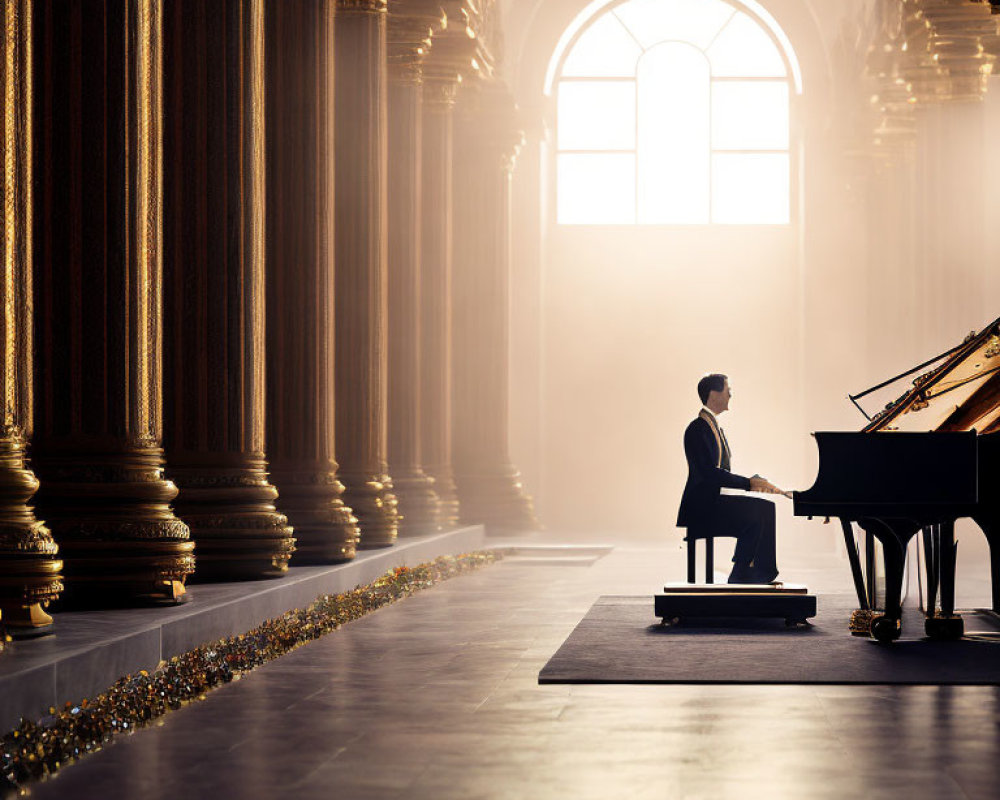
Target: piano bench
pixel 692 547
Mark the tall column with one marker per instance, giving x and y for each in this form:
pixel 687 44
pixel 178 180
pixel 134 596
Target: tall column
pixel 408 39
pixel 213 251
pixel 29 570
pixel 98 300
pixel 487 141
pixel 300 279
pixel 361 273
pixel 440 85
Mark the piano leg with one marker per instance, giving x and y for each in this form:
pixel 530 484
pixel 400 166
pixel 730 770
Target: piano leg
pixel 931 567
pixel 945 625
pixel 894 534
pixel 860 622
pixel 991 528
pixel 870 570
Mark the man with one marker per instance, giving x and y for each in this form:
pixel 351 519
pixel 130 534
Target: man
pixel 705 509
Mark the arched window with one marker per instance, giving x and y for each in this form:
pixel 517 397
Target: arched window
pixel 674 112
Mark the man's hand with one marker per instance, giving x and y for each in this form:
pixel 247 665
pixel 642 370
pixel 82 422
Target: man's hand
pixel 759 484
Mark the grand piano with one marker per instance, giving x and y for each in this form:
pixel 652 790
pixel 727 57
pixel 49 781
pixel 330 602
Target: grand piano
pixel 928 458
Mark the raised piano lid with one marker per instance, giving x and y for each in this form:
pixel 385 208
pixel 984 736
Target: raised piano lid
pixel 960 394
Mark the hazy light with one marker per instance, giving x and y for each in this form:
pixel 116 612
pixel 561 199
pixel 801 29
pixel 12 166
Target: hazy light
pixel 694 21
pixel 604 50
pixel 750 115
pixel 750 188
pixel 744 50
pixel 673 150
pixel 596 115
pixel 596 188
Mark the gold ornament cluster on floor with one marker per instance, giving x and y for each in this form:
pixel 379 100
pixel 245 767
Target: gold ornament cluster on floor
pixel 36 750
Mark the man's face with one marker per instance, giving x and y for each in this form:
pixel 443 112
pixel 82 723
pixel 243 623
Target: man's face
pixel 720 400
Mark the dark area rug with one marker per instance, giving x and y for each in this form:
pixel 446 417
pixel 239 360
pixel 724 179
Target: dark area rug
pixel 621 641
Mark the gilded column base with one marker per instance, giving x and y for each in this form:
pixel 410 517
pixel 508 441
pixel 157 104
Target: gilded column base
pixel 234 524
pixel 131 562
pixel 418 503
pixel 496 498
pixel 118 537
pixel 29 581
pixel 444 485
pixel 372 499
pixel 30 572
pixel 326 530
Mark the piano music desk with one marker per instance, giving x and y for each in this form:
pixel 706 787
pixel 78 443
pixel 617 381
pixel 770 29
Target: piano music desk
pixel 681 601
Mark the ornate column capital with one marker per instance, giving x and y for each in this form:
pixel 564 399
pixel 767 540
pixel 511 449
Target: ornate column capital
pixel 412 24
pixel 458 53
pixel 361 6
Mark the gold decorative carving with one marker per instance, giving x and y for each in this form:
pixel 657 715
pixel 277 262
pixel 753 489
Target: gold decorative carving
pixel 409 35
pixel 993 347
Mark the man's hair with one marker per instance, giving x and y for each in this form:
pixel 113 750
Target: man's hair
pixel 715 382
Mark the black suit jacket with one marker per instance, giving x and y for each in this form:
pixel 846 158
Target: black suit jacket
pixel 708 472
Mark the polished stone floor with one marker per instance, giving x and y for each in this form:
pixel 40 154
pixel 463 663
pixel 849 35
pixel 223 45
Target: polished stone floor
pixel 437 697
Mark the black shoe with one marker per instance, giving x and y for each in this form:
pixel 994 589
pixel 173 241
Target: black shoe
pixel 742 573
pixel 761 576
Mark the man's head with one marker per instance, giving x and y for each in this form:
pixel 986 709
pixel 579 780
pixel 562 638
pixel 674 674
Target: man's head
pixel 714 392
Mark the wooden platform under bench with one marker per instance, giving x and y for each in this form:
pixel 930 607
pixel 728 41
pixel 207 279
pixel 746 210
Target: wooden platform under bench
pixel 682 601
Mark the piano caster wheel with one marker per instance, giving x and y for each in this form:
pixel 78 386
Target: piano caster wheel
pixel 794 622
pixel 946 629
pixel 885 629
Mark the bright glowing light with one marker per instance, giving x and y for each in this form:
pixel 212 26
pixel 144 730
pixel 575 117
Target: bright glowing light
pixel 744 50
pixel 750 115
pixel 597 115
pixel 673 151
pixel 655 21
pixel 593 10
pixel 596 188
pixel 691 96
pixel 750 188
pixel 604 50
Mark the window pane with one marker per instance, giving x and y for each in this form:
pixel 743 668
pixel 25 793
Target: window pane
pixel 598 115
pixel 744 50
pixel 750 188
pixel 694 21
pixel 750 115
pixel 673 145
pixel 596 189
pixel 604 50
